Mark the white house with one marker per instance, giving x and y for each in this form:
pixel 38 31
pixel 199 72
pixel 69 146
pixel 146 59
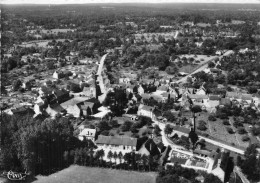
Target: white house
pixel 201 91
pixel 116 143
pixel 212 102
pixel 124 80
pixel 57 75
pixel 140 90
pixel 147 111
pixel 88 133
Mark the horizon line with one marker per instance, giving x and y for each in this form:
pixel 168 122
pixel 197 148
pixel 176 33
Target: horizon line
pixel 81 3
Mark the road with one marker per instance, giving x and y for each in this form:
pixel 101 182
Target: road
pixel 241 175
pixel 203 66
pixel 100 78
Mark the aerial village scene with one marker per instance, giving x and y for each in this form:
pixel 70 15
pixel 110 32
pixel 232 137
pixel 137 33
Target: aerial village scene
pixel 116 93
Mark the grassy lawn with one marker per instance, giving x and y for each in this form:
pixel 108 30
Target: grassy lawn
pixel 217 130
pixel 80 174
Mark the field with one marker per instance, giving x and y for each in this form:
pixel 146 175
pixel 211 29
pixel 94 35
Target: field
pixel 80 174
pixel 203 59
pixel 217 130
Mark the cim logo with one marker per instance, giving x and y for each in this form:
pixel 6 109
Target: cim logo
pixel 15 175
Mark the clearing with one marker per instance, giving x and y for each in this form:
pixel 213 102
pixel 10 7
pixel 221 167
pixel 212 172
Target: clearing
pixel 80 174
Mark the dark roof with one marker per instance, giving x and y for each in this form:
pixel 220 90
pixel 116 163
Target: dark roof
pixel 151 147
pixel 57 107
pixel 204 152
pixel 86 105
pixel 116 140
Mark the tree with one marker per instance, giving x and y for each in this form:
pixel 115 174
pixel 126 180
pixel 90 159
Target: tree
pixel 126 126
pixel 210 178
pixel 157 130
pixel 113 123
pixel 115 156
pixel 103 125
pixel 120 156
pixel 211 64
pixel 168 129
pixel 144 160
pixel 196 109
pixel 212 118
pixel 193 137
pixel 110 155
pixel 17 84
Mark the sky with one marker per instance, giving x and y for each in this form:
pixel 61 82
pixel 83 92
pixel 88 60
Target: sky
pixel 124 1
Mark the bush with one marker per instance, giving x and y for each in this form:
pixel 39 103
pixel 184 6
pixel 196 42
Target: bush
pixel 126 126
pixel 105 132
pixel 229 130
pixel 245 138
pixel 212 118
pixel 242 130
pixel 226 122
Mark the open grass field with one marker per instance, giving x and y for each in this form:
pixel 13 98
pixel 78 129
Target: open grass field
pixel 80 174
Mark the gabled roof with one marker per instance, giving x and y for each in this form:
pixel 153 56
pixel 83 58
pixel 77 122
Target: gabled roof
pixel 214 97
pixel 87 132
pixel 86 105
pixel 246 97
pixel 57 107
pixel 116 140
pixel 225 101
pixel 163 88
pixel 201 151
pixel 232 95
pixel 74 101
pixel 194 96
pixel 151 147
pixel 145 96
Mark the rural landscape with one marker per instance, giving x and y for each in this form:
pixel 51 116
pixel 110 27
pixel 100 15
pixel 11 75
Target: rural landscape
pixel 130 93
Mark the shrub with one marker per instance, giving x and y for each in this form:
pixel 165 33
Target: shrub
pixel 242 130
pixel 229 130
pixel 212 118
pixel 105 132
pixel 245 138
pixel 202 127
pixel 126 126
pixel 226 122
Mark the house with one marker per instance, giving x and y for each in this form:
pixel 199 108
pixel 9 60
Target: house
pixel 131 117
pixel 140 90
pixel 224 102
pixel 114 143
pixel 149 147
pixel 58 75
pixel 147 111
pixel 87 108
pixel 220 165
pixel 201 91
pixel 213 101
pixel 87 133
pixel 124 80
pixel 73 106
pixel 55 109
pixel 200 100
pixel 104 111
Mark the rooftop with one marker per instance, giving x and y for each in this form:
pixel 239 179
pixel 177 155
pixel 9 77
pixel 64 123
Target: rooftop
pixel 116 140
